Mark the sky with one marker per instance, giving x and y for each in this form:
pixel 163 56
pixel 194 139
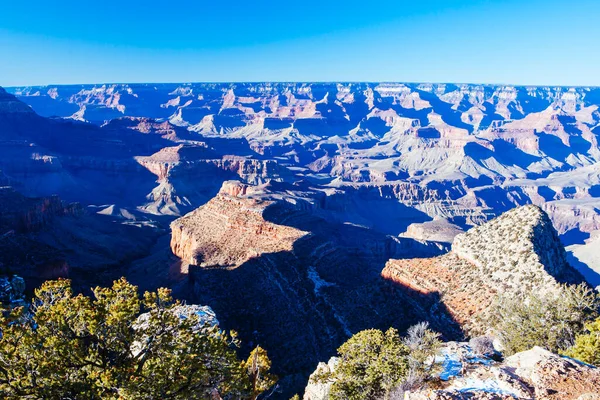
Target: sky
pixel 529 42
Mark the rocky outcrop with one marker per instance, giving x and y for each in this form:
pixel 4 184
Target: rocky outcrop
pixel 45 238
pixel 533 374
pixel 320 390
pixel 23 214
pixel 238 232
pixel 516 253
pixel 536 374
pixel 280 271
pixel 438 230
pixel 555 377
pixel 521 245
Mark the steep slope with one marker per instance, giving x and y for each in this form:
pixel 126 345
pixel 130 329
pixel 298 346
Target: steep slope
pixel 514 254
pixel 277 267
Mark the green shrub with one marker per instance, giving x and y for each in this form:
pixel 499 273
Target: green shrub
pixel 81 347
pixel 587 344
pixel 375 365
pixel 372 364
pixel 550 321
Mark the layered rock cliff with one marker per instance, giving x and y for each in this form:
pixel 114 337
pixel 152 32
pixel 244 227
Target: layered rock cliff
pixel 465 153
pixel 238 232
pixel 45 238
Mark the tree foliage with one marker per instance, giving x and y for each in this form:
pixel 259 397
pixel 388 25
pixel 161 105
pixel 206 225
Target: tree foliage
pixel 257 367
pixel 372 364
pixel 79 347
pixel 587 344
pixel 549 321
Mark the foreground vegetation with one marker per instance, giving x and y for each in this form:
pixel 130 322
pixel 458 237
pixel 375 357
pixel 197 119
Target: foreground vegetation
pixel 116 345
pixel 79 347
pixel 373 364
pixel 557 323
pixel 377 365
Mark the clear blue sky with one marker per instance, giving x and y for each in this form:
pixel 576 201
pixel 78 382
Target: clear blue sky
pixel 87 41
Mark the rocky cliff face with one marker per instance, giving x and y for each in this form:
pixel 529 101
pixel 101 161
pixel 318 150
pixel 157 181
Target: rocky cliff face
pixel 24 215
pixel 281 271
pixel 238 232
pixel 45 238
pixel 516 253
pixel 532 374
pixel 188 175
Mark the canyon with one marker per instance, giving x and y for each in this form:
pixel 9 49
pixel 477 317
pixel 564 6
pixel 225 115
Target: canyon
pixel 302 213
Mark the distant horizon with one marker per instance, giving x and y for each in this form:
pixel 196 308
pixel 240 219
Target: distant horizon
pixel 301 82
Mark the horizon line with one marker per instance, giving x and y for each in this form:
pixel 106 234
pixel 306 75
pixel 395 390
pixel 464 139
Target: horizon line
pixel 303 82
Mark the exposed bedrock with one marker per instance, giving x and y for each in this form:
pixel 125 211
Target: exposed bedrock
pixel 514 254
pixel 286 278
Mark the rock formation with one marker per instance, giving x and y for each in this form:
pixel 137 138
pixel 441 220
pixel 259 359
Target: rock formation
pixel 516 253
pixel 535 374
pixel 279 269
pixel 535 144
pixel 45 238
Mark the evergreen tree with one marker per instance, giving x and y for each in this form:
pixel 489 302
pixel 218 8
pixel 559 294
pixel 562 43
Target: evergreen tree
pixel 372 364
pixel 257 367
pixel 116 345
pixel 587 345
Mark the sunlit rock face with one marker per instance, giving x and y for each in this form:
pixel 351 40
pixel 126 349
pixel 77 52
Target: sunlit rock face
pixel 514 254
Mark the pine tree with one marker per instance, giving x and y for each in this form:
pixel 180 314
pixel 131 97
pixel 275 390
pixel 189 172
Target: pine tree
pixel 372 364
pixel 116 345
pixel 257 367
